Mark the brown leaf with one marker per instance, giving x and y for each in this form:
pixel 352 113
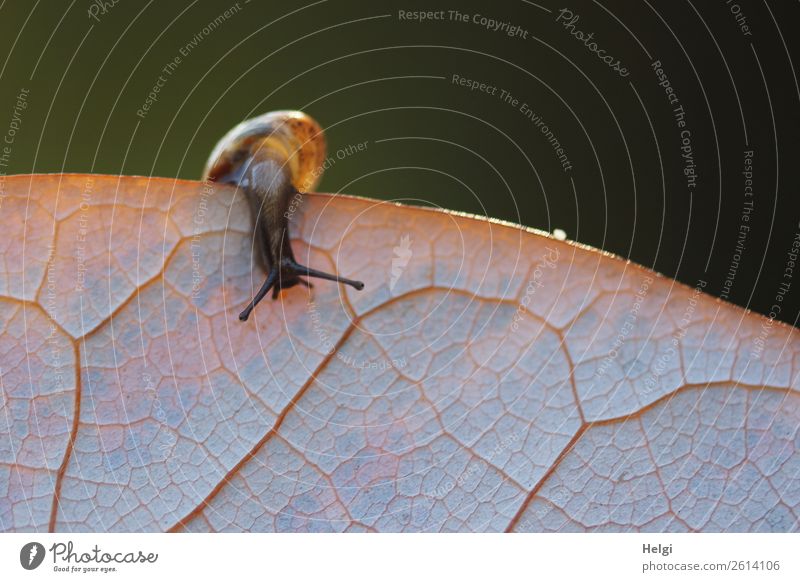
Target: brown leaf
pixel 488 378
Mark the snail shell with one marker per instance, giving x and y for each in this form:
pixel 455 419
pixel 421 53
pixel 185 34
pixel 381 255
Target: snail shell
pixel 292 138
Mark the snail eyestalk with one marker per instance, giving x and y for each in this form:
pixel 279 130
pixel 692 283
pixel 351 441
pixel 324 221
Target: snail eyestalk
pixel 274 277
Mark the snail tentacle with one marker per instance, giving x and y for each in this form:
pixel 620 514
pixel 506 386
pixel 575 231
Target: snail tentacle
pixel 268 283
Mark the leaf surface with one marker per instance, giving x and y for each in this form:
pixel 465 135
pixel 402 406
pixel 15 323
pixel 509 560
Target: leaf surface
pixel 488 378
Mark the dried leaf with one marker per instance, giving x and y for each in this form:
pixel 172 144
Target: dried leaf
pixel 488 378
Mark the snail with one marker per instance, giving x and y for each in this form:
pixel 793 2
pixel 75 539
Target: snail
pixel 273 158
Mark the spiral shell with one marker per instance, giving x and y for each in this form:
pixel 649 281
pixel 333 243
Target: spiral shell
pixel 293 138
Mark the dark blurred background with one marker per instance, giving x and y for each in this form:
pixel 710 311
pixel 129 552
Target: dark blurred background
pixel 370 73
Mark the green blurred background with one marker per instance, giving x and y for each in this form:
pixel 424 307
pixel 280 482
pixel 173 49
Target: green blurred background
pixel 369 75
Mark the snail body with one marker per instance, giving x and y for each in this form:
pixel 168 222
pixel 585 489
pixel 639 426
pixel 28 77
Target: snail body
pixel 273 158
